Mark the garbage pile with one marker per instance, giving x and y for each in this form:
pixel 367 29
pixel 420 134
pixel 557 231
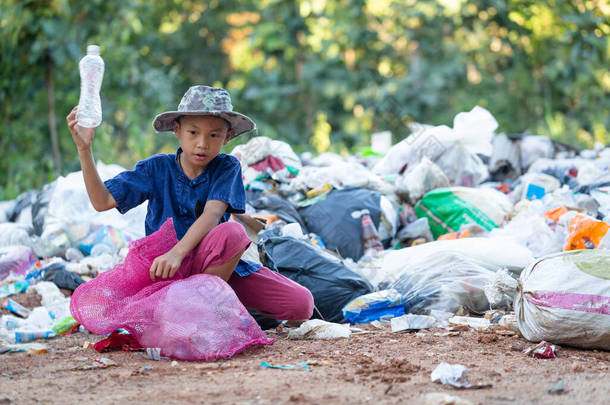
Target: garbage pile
pixel 450 222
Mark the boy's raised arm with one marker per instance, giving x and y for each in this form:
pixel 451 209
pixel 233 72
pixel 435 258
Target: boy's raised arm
pixel 100 197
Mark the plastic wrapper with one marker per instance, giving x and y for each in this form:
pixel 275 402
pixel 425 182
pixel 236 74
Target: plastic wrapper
pixel 446 281
pixel 15 260
pixel 190 317
pixel 585 233
pixel 54 301
pixel 108 236
pixel 373 306
pixel 528 185
pixel 412 322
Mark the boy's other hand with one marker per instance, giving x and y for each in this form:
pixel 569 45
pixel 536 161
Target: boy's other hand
pixel 165 266
pixel 83 137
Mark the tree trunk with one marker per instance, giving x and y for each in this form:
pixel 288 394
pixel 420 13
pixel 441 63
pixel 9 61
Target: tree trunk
pixel 52 125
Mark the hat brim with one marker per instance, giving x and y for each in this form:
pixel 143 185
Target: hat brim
pixel 240 123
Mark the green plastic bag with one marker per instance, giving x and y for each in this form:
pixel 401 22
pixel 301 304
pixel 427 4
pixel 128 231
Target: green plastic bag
pixel 449 208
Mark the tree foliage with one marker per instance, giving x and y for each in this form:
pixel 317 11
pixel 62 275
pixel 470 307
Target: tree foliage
pixel 319 74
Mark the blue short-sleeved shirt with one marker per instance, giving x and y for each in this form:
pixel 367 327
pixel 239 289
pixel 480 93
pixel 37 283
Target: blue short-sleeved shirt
pixel 170 193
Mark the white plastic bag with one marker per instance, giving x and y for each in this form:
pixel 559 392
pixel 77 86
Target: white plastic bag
pixel 534 147
pixel 444 281
pixel 472 130
pixel 490 253
pixel 419 179
pixel 319 329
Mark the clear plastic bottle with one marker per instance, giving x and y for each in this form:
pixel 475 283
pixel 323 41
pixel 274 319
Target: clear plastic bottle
pixel 370 238
pixel 91 75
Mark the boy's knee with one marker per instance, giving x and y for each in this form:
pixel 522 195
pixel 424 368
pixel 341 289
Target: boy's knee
pixel 232 232
pixel 302 308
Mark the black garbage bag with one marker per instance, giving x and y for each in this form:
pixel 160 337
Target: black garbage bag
pixel 22 203
pixel 331 283
pixel 57 273
pixel 282 208
pixel 41 206
pixel 332 219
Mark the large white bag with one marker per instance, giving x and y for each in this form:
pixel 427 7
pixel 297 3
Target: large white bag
pixel 489 253
pixel 565 299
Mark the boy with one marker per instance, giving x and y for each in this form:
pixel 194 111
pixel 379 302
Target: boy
pixel 198 187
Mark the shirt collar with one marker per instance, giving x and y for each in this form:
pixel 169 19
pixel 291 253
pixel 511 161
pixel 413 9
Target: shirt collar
pixel 202 177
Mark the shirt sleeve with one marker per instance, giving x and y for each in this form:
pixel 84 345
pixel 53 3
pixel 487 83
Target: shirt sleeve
pixel 131 187
pixel 228 186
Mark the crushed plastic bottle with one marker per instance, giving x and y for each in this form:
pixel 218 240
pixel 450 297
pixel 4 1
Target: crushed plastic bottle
pixel 91 67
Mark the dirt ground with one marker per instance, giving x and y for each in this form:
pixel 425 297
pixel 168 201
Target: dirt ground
pixel 378 366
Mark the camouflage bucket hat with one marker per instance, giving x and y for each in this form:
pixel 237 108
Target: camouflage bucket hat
pixel 205 100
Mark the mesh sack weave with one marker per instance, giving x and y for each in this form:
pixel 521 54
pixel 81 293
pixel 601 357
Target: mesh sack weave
pixel 190 317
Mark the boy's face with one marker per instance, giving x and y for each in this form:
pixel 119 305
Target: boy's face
pixel 201 139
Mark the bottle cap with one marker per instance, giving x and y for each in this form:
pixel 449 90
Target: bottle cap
pixel 93 50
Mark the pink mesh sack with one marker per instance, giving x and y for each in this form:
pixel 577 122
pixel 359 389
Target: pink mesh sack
pixel 190 317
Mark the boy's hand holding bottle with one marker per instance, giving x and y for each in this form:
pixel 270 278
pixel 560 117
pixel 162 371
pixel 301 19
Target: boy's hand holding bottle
pixel 82 136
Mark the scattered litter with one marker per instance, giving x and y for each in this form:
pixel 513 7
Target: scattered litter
pixel 32 348
pixel 302 364
pixel 374 306
pixel 454 375
pixel 543 350
pixel 152 353
pixel 16 308
pixel 412 322
pixel 319 329
pixel 14 288
pixel 557 388
pixel 104 362
pixel 120 341
pixel 65 326
pixel 474 323
pixel 421 229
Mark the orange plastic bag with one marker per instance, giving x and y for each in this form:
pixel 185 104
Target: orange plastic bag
pixel 585 233
pixel 455 235
pixel 554 215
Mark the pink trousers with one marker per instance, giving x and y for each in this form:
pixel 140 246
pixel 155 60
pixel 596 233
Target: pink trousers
pixel 265 291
